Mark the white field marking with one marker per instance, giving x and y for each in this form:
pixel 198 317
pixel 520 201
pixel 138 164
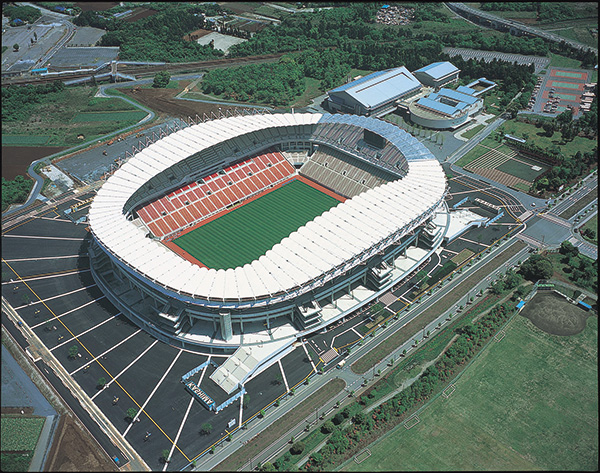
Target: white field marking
pixel 105 352
pixel 126 368
pixel 88 330
pixel 450 251
pixel 43 237
pixel 287 388
pixel 75 271
pixel 309 357
pixel 185 416
pixel 69 311
pixel 54 297
pixel 44 258
pixel 355 331
pixel 404 298
pixel 153 391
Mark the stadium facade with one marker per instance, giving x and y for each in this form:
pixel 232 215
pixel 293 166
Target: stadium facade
pixel 393 219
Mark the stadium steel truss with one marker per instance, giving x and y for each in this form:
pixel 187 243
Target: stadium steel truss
pixel 348 253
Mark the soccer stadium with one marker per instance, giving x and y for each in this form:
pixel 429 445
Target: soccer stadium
pixel 244 234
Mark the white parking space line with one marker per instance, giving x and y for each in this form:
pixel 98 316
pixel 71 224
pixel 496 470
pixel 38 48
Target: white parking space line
pixel 54 297
pixel 153 391
pixel 126 368
pixel 287 387
pixel 43 237
pixel 55 219
pixel 105 352
pixel 45 258
pixel 71 273
pixel 69 311
pixel 309 357
pixel 88 330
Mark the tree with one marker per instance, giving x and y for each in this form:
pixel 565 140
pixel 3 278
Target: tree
pixel 297 448
pixel 537 267
pixel 327 427
pixel 206 428
pixel 131 413
pixel 161 79
pixel 16 47
pixel 165 455
pixel 101 382
pixel 73 352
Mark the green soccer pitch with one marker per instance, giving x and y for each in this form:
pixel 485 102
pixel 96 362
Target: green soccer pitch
pixel 248 232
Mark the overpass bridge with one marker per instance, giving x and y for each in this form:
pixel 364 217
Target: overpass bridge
pixel 510 26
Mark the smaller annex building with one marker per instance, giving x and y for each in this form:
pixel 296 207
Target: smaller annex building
pixel 437 74
pixel 375 94
pixel 445 108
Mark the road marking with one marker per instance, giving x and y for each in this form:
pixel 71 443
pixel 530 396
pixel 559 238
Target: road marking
pixel 53 297
pixel 104 353
pixel 68 312
pixel 154 390
pixel 88 330
pixel 126 368
pixel 44 258
pixel 43 237
pixel 36 277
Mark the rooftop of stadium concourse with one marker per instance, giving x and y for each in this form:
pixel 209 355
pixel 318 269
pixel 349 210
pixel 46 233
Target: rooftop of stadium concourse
pixel 268 279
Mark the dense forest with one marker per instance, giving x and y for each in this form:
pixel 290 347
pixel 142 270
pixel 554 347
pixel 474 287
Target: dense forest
pixel 17 101
pixel 276 83
pixel 158 37
pixel 15 191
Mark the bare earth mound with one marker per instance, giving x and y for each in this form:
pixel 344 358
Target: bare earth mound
pixel 554 314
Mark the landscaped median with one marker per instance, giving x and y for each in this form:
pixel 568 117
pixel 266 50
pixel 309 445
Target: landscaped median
pixel 376 354
pixel 307 407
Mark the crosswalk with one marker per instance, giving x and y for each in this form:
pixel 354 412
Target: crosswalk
pixel 329 355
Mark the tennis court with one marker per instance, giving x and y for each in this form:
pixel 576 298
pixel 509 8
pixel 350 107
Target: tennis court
pixel 248 232
pixel 566 85
pixel 572 75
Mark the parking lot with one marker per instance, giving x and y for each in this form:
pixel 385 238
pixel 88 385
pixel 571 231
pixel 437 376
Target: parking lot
pixel 539 63
pixel 47 279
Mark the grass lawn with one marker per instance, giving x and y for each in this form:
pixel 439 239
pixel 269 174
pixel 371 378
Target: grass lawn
pixel 527 402
pixel 473 131
pixel 56 119
pixel 311 90
pixel 559 270
pixel 248 232
pixel 534 135
pixel 592 224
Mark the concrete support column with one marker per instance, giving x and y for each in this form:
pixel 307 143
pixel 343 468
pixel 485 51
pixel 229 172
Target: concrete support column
pixel 225 322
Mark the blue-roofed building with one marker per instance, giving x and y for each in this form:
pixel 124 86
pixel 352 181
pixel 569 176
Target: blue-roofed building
pixel 445 109
pixel 437 74
pixel 375 94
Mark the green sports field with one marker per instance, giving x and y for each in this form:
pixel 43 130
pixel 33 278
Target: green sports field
pixel 248 232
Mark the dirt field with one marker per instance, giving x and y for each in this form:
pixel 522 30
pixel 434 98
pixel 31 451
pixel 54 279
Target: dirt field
pixel 140 13
pixel 196 34
pixel 162 101
pixel 16 159
pixel 74 450
pixel 555 315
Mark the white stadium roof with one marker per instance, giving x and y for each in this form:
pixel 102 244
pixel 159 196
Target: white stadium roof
pixel 326 247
